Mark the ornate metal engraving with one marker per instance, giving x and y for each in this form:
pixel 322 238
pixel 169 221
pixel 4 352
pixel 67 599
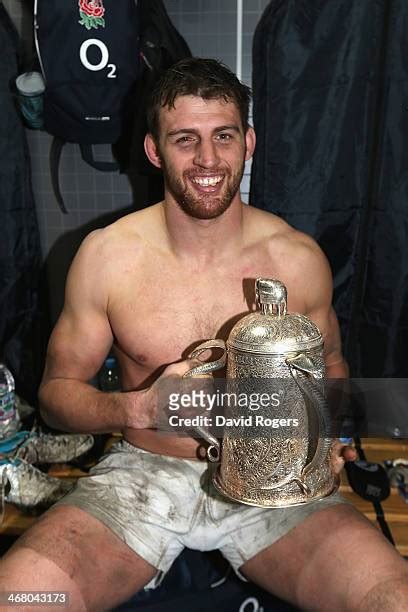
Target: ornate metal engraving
pixel 287 466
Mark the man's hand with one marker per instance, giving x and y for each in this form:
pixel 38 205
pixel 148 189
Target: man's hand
pixel 340 453
pixel 151 409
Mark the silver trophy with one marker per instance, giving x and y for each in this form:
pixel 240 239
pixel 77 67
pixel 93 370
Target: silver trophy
pixel 268 349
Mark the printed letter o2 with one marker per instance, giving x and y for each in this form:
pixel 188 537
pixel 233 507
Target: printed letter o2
pixel 84 57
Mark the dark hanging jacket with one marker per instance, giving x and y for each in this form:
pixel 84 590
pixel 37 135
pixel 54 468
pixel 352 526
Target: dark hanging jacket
pixel 21 339
pixel 330 82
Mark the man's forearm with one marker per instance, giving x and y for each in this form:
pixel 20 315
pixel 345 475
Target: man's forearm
pixel 339 369
pixel 75 406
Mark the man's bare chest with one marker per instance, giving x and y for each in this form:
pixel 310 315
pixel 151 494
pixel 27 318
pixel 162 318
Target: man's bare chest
pixel 159 311
pixel 166 321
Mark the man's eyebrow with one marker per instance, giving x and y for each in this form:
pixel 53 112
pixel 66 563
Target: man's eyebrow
pixel 221 128
pixel 182 131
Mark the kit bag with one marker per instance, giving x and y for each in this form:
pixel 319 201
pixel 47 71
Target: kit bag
pixel 161 46
pixel 89 54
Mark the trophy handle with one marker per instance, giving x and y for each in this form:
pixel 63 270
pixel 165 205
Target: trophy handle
pixel 311 391
pixel 207 366
pixel 214 450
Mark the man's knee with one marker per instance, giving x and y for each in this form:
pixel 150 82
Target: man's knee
pixel 389 595
pixel 24 569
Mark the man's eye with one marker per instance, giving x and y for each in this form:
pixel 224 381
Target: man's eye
pixel 225 137
pixel 185 140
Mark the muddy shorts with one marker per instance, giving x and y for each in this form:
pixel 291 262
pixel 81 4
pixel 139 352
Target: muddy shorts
pixel 158 505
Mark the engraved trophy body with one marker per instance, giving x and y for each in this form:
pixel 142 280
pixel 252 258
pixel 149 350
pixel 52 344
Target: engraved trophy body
pixel 281 455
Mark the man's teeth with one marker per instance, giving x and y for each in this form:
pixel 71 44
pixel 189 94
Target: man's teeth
pixel 207 181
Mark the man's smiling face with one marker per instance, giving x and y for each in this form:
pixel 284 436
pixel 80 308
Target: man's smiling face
pixel 202 150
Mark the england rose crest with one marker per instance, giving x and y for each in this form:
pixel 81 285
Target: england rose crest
pixel 92 12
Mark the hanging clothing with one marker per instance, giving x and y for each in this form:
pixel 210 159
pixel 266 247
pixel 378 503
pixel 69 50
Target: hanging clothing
pixel 21 340
pixel 161 46
pixel 330 89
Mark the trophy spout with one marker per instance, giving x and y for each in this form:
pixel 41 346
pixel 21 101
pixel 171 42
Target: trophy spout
pixel 214 449
pixel 308 377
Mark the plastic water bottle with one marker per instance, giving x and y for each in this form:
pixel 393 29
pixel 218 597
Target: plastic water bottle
pixel 108 381
pixel 109 377
pixel 9 418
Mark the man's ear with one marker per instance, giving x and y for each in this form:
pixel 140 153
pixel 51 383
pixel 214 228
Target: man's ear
pixel 250 140
pixel 152 150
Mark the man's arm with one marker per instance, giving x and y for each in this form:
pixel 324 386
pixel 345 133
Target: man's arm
pixel 318 301
pixel 316 278
pixel 79 343
pixel 336 366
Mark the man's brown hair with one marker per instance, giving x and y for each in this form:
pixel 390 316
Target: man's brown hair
pixel 209 79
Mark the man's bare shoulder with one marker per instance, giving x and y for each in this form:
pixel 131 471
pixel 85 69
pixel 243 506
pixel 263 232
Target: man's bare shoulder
pixel 297 253
pixel 278 234
pixel 129 236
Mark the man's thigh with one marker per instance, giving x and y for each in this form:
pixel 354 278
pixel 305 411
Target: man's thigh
pixel 70 550
pixel 333 560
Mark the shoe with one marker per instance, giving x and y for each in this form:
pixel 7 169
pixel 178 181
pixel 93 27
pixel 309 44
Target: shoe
pixel 27 487
pixel 23 408
pixel 48 448
pixel 9 446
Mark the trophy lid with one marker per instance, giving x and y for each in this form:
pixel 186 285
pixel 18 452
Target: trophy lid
pixel 271 330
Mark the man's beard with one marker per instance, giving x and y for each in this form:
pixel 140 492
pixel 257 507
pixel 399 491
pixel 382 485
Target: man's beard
pixel 204 206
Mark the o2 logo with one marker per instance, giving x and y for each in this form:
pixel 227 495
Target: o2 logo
pixel 251 604
pixel 104 62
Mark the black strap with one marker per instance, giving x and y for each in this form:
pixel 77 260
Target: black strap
pixel 103 166
pixel 379 512
pixel 55 157
pixel 87 155
pixel 382 522
pixel 359 448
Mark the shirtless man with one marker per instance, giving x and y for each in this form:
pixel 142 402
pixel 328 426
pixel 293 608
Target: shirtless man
pixel 155 284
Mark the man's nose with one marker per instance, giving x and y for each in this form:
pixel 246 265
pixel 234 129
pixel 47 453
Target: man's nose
pixel 206 154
